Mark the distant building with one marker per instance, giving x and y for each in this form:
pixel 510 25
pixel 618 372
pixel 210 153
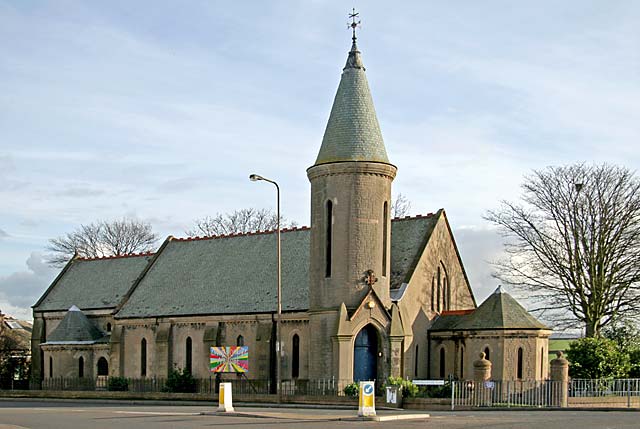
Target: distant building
pixel 364 296
pixel 15 351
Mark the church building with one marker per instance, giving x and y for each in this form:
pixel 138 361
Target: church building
pixel 364 296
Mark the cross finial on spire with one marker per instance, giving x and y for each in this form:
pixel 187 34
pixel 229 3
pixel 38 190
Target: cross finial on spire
pixel 354 24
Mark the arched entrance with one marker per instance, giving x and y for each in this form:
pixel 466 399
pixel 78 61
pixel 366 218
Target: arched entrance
pixel 103 366
pixel 365 354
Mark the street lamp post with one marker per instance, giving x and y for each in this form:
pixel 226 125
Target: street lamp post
pixel 255 178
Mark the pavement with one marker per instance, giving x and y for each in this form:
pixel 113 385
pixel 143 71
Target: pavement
pixel 21 414
pixel 327 415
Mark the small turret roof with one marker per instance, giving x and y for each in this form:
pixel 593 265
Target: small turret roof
pixel 75 328
pixel 499 311
pixel 353 132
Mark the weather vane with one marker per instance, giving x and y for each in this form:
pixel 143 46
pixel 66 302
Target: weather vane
pixel 354 24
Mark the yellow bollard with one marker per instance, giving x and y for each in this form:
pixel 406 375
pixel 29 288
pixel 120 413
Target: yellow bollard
pixel 225 402
pixel 366 399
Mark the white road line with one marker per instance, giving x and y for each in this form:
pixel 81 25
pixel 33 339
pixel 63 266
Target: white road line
pixel 156 413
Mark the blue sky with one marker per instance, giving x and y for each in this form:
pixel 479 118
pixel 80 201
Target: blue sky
pixel 160 110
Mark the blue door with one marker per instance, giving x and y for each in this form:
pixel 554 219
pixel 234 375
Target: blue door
pixel 365 355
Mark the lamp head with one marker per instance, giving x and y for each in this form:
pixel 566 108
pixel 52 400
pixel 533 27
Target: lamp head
pixel 255 177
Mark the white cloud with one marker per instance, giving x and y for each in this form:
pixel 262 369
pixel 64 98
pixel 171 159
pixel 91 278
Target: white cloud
pixel 479 246
pixel 21 289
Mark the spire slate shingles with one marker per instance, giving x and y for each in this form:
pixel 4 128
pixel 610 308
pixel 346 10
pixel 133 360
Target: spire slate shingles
pixel 353 132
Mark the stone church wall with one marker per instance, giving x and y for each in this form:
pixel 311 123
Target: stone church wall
pixel 463 348
pixel 419 306
pixel 167 343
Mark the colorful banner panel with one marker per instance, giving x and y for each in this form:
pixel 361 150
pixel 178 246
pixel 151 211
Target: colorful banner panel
pixel 229 359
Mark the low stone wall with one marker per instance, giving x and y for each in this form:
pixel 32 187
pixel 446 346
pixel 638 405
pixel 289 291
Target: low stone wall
pixel 605 402
pixel 159 396
pixel 430 404
pixel 62 394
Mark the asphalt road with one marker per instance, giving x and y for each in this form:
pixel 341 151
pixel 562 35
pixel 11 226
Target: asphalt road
pixel 82 415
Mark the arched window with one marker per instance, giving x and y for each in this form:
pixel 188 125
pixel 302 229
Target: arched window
pixel 50 367
pixel 188 356
pixel 240 341
pixel 439 300
pixel 415 363
pixel 143 357
pixel 462 363
pixel 520 363
pixel 329 232
pixel 433 294
pixel 81 367
pixel 487 353
pixel 443 284
pixel 108 327
pixel 445 293
pixel 103 366
pixel 385 231
pixel 295 357
pixel 442 363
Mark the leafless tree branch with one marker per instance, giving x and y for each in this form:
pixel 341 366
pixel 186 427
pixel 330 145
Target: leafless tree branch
pixel 574 243
pixel 238 222
pixel 102 238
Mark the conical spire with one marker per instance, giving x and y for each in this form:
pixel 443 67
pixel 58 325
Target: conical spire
pixel 353 132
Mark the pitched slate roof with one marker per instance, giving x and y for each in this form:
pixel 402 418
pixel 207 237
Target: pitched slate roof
pixel 353 132
pixel 447 320
pixel 215 275
pixel 499 311
pixel 75 328
pixel 223 275
pixel 409 236
pixel 93 283
pixel 236 274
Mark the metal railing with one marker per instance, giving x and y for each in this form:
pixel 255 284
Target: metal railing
pixel 604 387
pixel 507 393
pixel 209 385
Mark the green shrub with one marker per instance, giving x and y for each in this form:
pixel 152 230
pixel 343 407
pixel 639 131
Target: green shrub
pixel 634 356
pixel 409 390
pixel 351 389
pixel 440 391
pixel 597 358
pixel 180 381
pixel 627 337
pixel 118 384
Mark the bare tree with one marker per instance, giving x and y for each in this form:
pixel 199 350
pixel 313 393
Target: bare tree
pixel 102 238
pixel 400 206
pixel 574 244
pixel 238 222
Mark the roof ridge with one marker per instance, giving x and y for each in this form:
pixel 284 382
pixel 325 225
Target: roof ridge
pixel 457 312
pixel 126 255
pixel 418 216
pixel 241 234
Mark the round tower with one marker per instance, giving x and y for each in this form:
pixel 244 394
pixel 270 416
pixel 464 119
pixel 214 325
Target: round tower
pixel 350 212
